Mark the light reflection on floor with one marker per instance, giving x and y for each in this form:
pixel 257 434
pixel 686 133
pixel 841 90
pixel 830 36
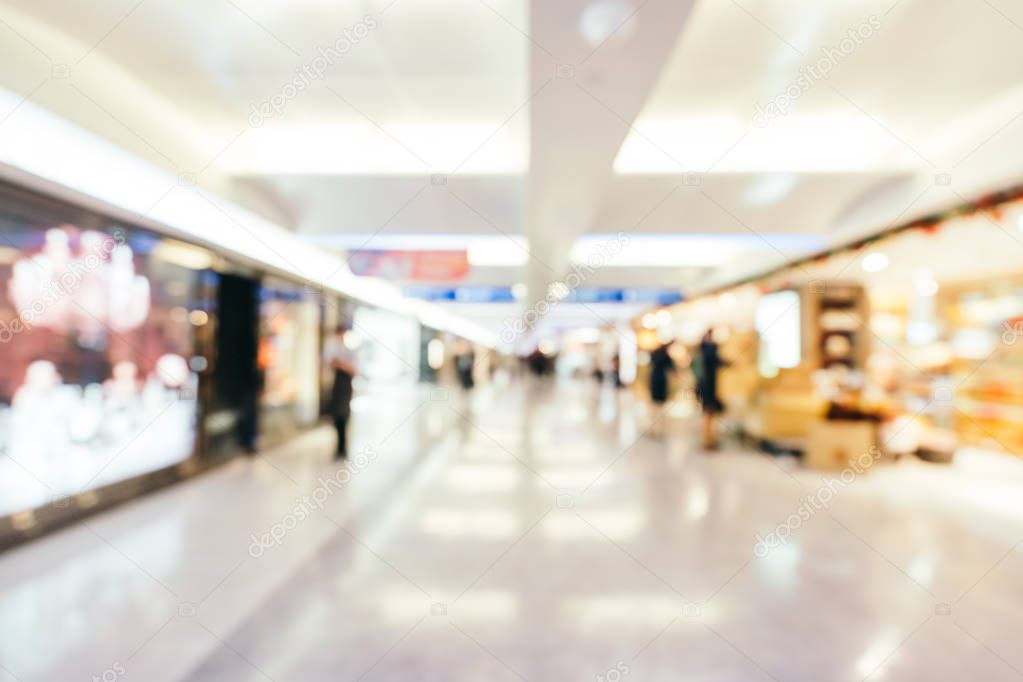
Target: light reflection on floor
pixel 538 536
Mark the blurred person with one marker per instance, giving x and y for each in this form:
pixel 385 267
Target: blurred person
pixel 707 363
pixel 465 362
pixel 537 362
pixel 342 359
pixel 661 365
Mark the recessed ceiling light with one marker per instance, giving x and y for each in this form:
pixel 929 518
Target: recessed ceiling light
pixel 606 18
pixel 771 188
pixel 874 262
pixel 502 251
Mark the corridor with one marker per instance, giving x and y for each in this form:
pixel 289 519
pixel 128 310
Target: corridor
pixel 532 531
pixel 511 340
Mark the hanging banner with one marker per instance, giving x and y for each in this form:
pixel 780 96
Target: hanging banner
pixel 427 266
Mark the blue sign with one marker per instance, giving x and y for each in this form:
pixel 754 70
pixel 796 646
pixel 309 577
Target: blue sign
pixel 503 294
pixel 649 295
pixel 465 294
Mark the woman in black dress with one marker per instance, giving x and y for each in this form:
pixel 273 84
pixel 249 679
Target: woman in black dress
pixel 708 363
pixel 661 365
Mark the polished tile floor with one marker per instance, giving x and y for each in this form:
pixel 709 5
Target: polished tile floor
pixel 530 532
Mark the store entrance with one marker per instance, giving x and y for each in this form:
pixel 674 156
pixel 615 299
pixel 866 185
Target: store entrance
pixel 231 422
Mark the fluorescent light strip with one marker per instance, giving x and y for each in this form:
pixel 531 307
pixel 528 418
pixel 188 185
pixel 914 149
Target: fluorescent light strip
pixel 793 144
pixel 686 250
pixel 37 142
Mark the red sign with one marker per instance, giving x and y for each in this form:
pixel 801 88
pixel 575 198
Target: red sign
pixel 430 266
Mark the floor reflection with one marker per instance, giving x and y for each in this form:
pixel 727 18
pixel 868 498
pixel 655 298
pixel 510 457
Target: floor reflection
pixel 529 531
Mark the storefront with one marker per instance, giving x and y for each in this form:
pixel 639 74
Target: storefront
pixel 100 329
pixel 288 359
pixel 132 360
pixel 915 335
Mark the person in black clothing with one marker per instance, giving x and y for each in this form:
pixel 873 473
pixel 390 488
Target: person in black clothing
pixel 465 363
pixel 342 359
pixel 661 365
pixel 707 363
pixel 537 362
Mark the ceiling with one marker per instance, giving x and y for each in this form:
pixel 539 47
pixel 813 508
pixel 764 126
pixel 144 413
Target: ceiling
pixel 554 126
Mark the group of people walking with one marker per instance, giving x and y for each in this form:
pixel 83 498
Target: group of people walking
pixel 706 363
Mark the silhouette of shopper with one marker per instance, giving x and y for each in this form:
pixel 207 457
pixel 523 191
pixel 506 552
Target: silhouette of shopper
pixel 342 359
pixel 661 365
pixel 708 364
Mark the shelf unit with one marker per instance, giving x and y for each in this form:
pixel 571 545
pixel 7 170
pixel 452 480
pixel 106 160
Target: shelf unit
pixel 835 319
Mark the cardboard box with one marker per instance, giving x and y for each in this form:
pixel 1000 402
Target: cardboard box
pixel 832 445
pixel 787 414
